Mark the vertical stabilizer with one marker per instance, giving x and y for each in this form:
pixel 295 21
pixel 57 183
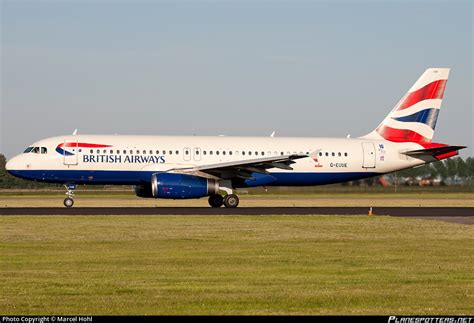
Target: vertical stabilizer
pixel 414 118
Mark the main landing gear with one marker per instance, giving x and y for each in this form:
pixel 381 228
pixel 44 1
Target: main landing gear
pixel 69 200
pixel 229 201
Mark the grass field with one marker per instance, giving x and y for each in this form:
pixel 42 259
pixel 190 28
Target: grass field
pixel 428 198
pixel 235 265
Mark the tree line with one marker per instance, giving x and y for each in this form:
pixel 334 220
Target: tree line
pixel 452 171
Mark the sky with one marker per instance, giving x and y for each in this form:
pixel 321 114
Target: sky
pixel 300 68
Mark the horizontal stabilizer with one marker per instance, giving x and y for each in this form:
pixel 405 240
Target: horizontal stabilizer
pixel 434 152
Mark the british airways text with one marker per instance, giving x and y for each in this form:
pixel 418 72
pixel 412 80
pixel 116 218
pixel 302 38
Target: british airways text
pixel 123 159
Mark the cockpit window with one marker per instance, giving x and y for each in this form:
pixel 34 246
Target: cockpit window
pixel 27 150
pixel 44 150
pixel 35 150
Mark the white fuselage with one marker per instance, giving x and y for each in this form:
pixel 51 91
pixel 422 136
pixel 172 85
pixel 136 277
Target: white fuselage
pixel 116 159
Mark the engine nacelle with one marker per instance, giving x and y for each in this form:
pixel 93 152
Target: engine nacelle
pixel 179 186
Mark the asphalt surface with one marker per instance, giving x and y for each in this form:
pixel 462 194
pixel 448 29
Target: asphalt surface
pixel 393 211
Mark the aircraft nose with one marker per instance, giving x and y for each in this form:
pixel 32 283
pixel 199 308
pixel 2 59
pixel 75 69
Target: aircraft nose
pixel 12 164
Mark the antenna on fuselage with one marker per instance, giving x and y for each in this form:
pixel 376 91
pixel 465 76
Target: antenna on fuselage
pixel 272 134
pixel 348 136
pixel 75 132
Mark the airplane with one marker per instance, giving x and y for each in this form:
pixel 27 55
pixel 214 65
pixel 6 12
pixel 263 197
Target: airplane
pixel 191 167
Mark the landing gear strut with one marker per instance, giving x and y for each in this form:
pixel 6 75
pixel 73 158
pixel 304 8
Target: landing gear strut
pixel 69 200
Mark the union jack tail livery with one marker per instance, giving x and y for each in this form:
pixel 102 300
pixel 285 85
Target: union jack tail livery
pixel 414 118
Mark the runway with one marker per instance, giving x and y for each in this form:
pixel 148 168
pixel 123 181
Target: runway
pixel 393 211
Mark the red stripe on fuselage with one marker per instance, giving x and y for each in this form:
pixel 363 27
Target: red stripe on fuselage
pixel 434 90
pixel 82 145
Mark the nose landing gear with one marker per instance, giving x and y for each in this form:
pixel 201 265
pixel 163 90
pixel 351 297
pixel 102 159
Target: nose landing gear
pixel 69 200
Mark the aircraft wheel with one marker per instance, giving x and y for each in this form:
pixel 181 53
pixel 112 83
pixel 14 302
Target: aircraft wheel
pixel 231 201
pixel 216 200
pixel 68 202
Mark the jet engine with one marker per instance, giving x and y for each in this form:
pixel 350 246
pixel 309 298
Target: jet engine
pixel 177 186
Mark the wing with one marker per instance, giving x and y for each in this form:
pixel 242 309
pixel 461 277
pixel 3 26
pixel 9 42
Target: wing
pixel 242 169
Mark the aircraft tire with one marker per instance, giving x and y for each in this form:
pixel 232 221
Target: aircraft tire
pixel 231 201
pixel 216 200
pixel 68 202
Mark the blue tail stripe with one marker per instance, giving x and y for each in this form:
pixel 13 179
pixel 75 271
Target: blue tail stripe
pixel 427 116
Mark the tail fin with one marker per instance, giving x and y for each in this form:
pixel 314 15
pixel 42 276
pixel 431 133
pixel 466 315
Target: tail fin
pixel 414 118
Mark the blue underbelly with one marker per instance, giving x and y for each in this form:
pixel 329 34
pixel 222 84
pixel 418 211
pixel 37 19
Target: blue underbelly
pixel 139 177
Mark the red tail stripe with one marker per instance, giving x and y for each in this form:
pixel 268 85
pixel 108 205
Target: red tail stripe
pixel 401 135
pixel 434 90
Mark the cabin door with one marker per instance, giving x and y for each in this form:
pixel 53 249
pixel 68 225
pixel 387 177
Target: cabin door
pixel 368 149
pixel 70 152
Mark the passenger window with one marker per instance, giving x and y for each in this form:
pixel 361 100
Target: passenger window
pixel 282 153
pixel 171 152
pixel 230 152
pixel 157 152
pixel 210 152
pixel 263 154
pixel 327 154
pixel 243 153
pixel 131 152
pixel 105 151
pixel 144 152
pixel 98 151
pixel 138 152
pixel 196 152
pixel 223 152
pixel 339 154
pixel 203 152
pixel 320 153
pixel 80 150
pixel 333 154
pixel 118 152
pixel 111 151
pixel 44 150
pixel 345 154
pixel 177 152
pixel 151 152
pixel 164 152
pixel 217 152
pixel 124 151
pixel 186 152
pixel 256 153
pixel 91 151
pixel 250 153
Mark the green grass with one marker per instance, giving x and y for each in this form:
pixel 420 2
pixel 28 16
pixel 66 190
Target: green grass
pixel 235 265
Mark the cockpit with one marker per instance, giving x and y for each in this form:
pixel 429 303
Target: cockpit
pixel 36 150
